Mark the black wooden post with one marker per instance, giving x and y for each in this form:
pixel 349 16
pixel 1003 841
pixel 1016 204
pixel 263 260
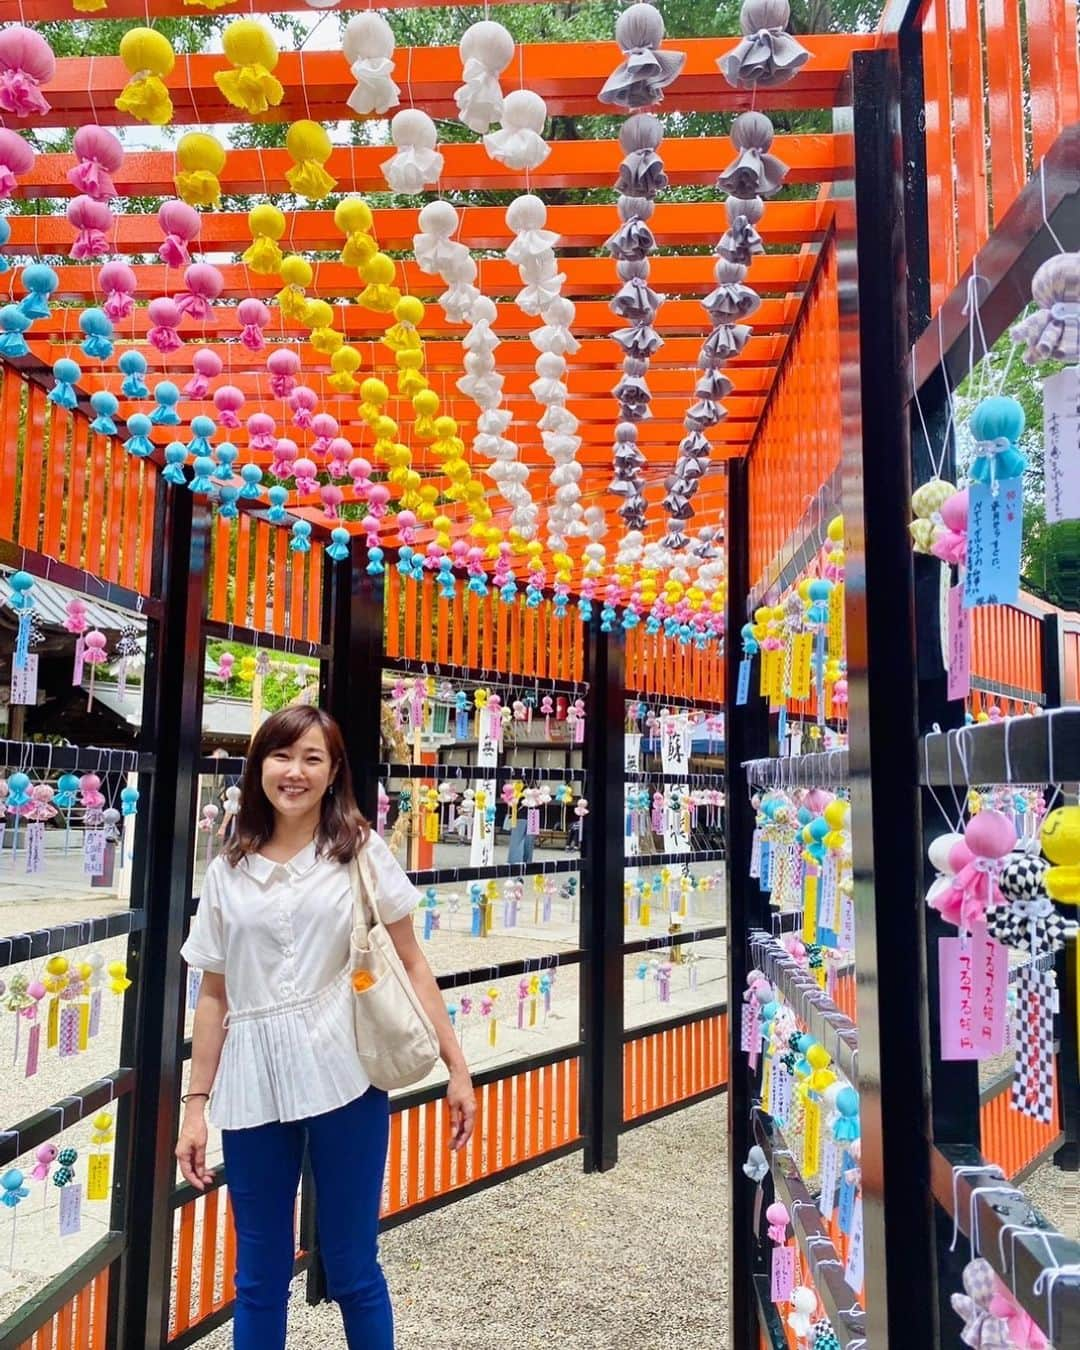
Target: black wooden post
pixel 602 900
pixel 353 692
pixel 1053 661
pixel 172 728
pixel 1067 1156
pixel 893 1034
pixel 746 736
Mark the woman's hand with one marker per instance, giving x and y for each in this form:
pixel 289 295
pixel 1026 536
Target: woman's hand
pixel 462 1104
pixel 191 1148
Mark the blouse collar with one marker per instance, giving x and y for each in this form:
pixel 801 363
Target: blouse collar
pixel 262 868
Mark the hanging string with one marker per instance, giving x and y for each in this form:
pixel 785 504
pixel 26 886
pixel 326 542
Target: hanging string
pixel 1046 220
pixel 937 462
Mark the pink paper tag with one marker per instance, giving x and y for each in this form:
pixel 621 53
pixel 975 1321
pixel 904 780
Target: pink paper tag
pixel 783 1274
pixel 77 672
pixel 70 1209
pixel 69 1031
pixel 973 979
pixel 532 821
pixel 747 1028
pixel 579 731
pixel 959 682
pixel 33 1049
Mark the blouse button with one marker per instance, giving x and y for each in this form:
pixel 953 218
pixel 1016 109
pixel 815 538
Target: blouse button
pixel 288 951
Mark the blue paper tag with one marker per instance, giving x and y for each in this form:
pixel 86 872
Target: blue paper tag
pixel 995 528
pixel 765 880
pixel 781 731
pixel 847 1194
pixel 742 691
pixel 22 640
pixel 827 938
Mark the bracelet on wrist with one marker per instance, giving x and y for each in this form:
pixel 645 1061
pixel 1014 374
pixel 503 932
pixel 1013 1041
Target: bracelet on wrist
pixel 189 1095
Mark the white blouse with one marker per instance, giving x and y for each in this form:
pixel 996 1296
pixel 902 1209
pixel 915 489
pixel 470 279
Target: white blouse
pixel 279 933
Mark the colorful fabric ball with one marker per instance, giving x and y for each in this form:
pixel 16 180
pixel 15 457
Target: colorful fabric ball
pixel 1024 877
pixel 822 1336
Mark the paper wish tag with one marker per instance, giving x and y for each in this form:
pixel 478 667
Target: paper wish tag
pixel 94 853
pixel 71 1198
pixel 782 1281
pixel 830 1170
pixel 973 977
pixel 1033 1088
pixel 24 682
pixel 33 1050
pixel 959 645
pixel 1061 458
pixel 853 1267
pixel 742 689
pixel 35 846
pixel 748 1028
pixel 68 1040
pixel 995 527
pixel 97 1177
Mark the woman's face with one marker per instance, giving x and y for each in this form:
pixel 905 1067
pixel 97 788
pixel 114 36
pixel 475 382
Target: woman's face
pixel 295 777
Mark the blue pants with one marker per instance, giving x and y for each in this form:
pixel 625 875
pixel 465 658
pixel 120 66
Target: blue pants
pixel 347 1148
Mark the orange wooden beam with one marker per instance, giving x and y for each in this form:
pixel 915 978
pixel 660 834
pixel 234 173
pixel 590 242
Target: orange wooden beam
pixel 751 384
pixel 679 353
pixel 571 164
pixel 317 83
pixel 354 323
pixel 671 274
pixel 602 411
pixel 482 227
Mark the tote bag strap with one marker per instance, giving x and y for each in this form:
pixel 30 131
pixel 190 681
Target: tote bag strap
pixel 364 911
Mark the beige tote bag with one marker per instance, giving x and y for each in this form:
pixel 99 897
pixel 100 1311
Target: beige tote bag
pixel 395 1039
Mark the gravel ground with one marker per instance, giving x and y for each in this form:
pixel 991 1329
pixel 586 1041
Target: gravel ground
pixel 559 1258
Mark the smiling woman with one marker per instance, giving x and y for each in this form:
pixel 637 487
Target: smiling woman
pixel 297 785
pixel 278 1062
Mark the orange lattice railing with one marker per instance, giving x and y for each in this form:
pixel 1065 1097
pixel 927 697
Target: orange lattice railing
pixel 80 1322
pixel 521 1118
pixel 481 632
pixel 1009 1138
pixel 657 665
pixel 1006 650
pixel 1002 80
pixel 73 496
pixel 674 1064
pixel 797 445
pixel 258 582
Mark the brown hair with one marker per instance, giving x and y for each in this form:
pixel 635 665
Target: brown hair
pixel 342 830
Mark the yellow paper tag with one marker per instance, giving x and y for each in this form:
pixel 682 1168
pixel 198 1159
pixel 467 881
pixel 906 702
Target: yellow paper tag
pixel 646 914
pixel 52 1029
pixel 802 654
pixel 766 672
pixel 766 1085
pixel 97 1177
pixel 811 1138
pixel 431 828
pixel 836 622
pixel 84 1025
pixel 819 974
pixel 810 906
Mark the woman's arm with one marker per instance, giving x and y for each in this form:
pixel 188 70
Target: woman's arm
pixel 459 1091
pixel 207 1038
